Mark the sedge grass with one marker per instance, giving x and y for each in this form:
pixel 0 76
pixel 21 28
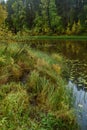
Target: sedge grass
pixel 33 86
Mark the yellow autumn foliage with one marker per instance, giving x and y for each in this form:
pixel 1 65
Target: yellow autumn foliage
pixel 57 68
pixel 3 14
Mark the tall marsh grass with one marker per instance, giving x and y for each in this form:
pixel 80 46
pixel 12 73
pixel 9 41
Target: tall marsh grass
pixel 33 94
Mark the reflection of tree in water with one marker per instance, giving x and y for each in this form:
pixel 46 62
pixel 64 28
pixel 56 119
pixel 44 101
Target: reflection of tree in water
pixel 70 49
pixel 77 62
pixel 74 51
pixel 78 73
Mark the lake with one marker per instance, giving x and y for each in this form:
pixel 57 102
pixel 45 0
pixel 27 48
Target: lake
pixel 75 53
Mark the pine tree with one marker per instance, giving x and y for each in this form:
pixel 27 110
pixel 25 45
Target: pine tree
pixel 18 17
pixel 55 19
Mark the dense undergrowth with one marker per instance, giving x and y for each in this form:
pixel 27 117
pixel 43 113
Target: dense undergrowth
pixel 33 94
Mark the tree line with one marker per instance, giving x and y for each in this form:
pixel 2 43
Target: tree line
pixel 46 16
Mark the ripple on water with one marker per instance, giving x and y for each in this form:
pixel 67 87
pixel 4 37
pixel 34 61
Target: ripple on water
pixel 80 105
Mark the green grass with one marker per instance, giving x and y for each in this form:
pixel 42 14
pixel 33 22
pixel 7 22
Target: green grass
pixel 33 93
pixel 64 37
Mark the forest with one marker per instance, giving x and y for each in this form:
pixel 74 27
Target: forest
pixel 46 17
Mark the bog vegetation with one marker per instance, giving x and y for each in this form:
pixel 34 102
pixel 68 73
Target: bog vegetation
pixel 33 92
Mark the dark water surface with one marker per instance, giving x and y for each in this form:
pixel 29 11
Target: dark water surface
pixel 76 55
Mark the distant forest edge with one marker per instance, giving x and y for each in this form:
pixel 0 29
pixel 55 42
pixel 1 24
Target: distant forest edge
pixel 44 17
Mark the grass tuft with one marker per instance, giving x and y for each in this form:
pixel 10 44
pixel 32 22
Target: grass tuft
pixel 33 93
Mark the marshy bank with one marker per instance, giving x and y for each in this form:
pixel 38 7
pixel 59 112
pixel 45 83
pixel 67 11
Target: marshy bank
pixel 33 92
pixel 75 52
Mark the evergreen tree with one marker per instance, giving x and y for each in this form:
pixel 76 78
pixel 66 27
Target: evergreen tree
pixel 42 18
pixel 45 16
pixel 18 16
pixel 55 19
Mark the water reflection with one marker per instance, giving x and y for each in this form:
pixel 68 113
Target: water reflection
pixel 78 73
pixel 70 49
pixel 76 55
pixel 80 105
pixel 74 51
